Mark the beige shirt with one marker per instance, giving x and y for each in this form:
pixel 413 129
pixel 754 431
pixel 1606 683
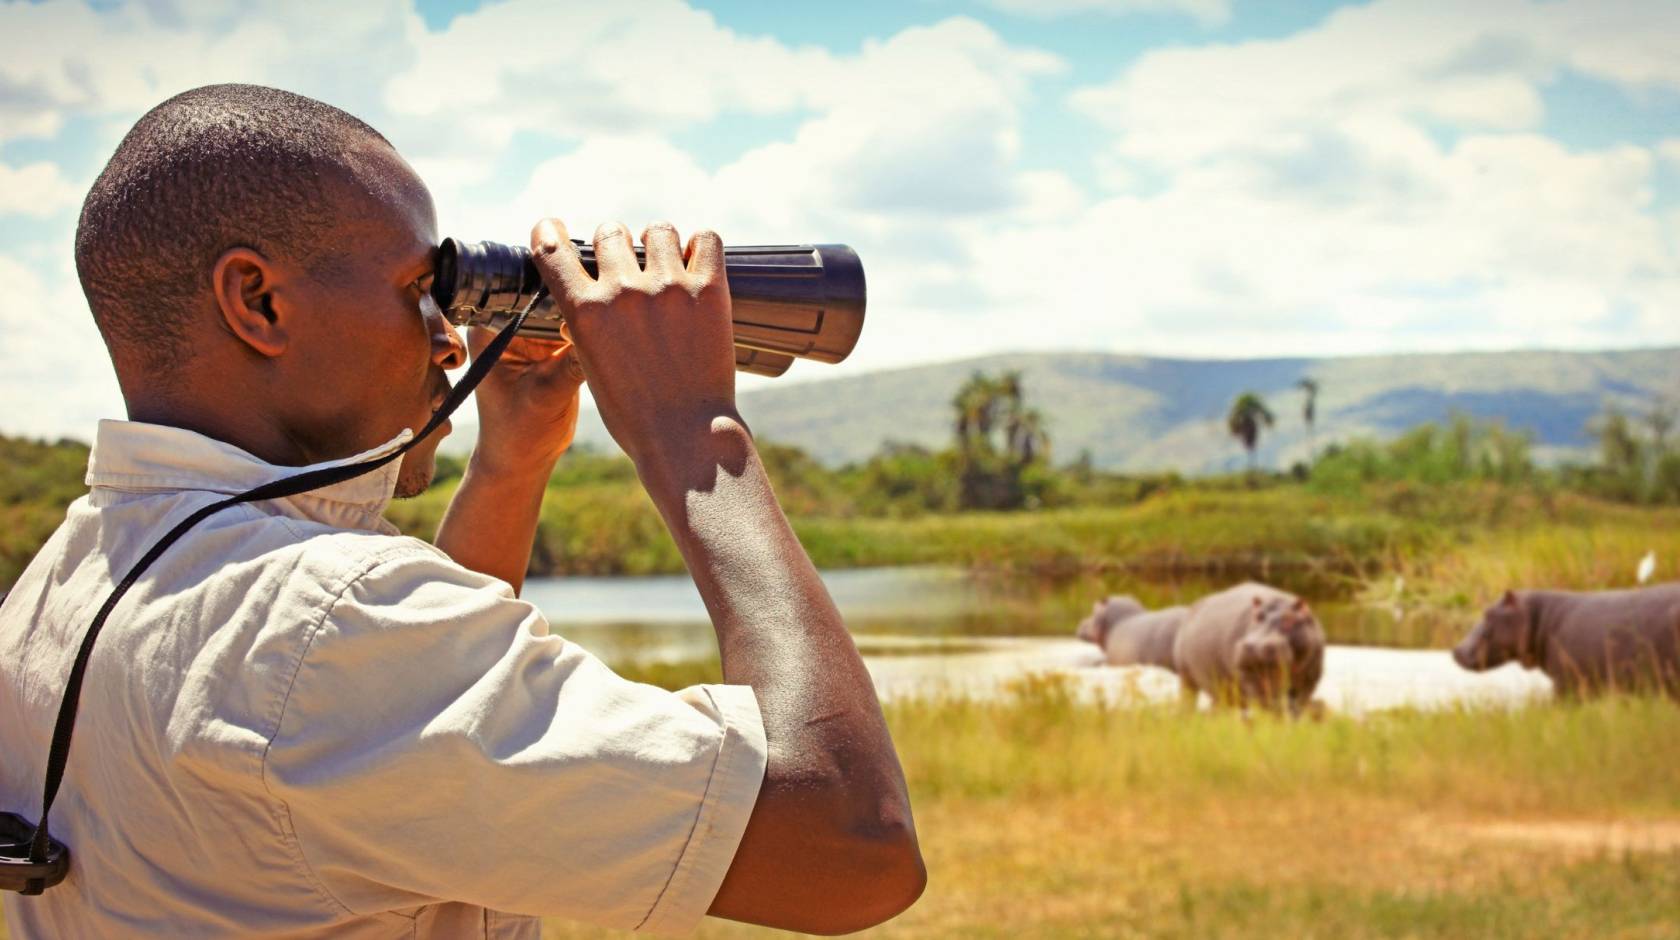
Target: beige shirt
pixel 302 724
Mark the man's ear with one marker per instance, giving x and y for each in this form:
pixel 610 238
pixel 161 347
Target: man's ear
pixel 243 283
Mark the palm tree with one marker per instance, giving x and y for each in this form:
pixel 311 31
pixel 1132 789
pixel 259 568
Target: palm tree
pixel 1309 411
pixel 1248 414
pixel 991 470
pixel 975 404
pixel 1027 438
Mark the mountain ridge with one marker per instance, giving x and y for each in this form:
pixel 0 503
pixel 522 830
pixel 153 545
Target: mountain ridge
pixel 1139 413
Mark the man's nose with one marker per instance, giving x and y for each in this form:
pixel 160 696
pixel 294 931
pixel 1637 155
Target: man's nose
pixel 448 351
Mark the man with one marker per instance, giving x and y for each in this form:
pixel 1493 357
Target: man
pixel 299 723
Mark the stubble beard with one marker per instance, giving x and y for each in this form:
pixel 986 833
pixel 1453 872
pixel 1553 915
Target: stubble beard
pixel 414 475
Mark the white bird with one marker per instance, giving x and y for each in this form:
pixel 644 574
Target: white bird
pixel 1647 566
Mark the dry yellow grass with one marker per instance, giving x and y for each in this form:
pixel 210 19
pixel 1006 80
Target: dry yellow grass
pixel 1096 868
pixel 1044 818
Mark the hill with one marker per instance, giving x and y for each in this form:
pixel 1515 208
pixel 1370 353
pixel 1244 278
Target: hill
pixel 1141 413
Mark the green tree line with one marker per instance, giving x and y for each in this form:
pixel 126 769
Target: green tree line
pixel 998 460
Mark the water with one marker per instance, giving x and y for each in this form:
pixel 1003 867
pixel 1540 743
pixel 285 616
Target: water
pixel 663 618
pixel 924 630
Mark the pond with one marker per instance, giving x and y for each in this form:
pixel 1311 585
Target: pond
pixel 942 629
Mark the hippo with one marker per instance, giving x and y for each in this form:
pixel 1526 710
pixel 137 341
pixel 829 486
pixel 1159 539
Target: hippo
pixel 1130 634
pixel 1587 643
pixel 1251 644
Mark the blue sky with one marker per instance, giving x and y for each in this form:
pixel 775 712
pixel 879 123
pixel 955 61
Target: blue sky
pixel 1188 177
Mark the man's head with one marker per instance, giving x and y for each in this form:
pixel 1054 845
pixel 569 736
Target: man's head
pixel 256 262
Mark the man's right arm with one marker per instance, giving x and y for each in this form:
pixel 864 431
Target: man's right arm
pixel 830 846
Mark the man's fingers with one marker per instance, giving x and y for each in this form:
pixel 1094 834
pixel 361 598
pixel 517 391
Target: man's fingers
pixel 705 256
pixel 558 263
pixel 664 249
pixel 615 258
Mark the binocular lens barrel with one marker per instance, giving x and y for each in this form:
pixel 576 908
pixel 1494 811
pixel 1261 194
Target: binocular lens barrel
pixel 789 301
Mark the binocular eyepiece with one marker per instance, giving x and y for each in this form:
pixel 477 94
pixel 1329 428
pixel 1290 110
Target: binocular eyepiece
pixel 789 301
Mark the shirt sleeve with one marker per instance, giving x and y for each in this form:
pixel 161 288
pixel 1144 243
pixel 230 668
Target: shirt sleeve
pixel 440 744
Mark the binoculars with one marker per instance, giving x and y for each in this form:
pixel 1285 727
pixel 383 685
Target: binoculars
pixel 789 301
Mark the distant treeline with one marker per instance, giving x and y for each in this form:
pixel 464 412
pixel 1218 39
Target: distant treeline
pixel 909 504
pixel 37 481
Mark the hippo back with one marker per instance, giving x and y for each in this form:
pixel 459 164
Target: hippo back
pixel 1234 644
pixel 1625 640
pixel 1206 649
pixel 1146 639
pixel 1105 614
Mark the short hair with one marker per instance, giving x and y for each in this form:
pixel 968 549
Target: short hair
pixel 210 169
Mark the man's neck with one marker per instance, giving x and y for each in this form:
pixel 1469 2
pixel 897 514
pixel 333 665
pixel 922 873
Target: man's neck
pixel 251 431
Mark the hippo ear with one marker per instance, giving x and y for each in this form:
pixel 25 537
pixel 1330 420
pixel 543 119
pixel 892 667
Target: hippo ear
pixel 1300 604
pixel 1510 599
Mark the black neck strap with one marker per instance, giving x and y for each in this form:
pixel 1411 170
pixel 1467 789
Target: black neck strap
pixel 42 842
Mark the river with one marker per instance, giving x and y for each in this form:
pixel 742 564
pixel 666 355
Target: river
pixel 944 631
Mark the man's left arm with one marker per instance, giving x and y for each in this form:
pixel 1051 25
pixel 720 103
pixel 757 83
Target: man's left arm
pixel 528 412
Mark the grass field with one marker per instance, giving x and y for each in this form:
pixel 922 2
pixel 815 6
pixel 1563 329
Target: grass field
pixel 1041 816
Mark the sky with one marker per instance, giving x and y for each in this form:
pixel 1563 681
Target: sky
pixel 1206 178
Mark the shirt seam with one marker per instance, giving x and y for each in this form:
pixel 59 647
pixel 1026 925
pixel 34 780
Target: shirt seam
pixel 699 813
pixel 125 483
pixel 295 843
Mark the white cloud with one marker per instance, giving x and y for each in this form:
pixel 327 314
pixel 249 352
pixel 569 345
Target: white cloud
pixel 1629 42
pixel 894 147
pixel 37 189
pixel 58 379
pixel 59 60
pixel 1206 12
pixel 1385 61
pixel 1669 150
pixel 598 69
pixel 915 142
pixel 1378 181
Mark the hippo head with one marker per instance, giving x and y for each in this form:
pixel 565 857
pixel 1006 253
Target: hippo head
pixel 1105 614
pixel 1283 642
pixel 1503 635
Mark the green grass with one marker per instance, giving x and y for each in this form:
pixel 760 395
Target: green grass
pixel 1046 742
pixel 1455 547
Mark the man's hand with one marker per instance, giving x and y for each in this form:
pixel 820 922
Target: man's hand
pixel 527 415
pixel 657 345
pixel 528 404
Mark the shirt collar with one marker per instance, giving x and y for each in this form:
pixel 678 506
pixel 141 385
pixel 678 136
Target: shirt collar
pixel 134 456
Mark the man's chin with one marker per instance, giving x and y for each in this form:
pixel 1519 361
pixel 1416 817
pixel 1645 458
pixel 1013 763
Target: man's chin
pixel 408 488
pixel 415 474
